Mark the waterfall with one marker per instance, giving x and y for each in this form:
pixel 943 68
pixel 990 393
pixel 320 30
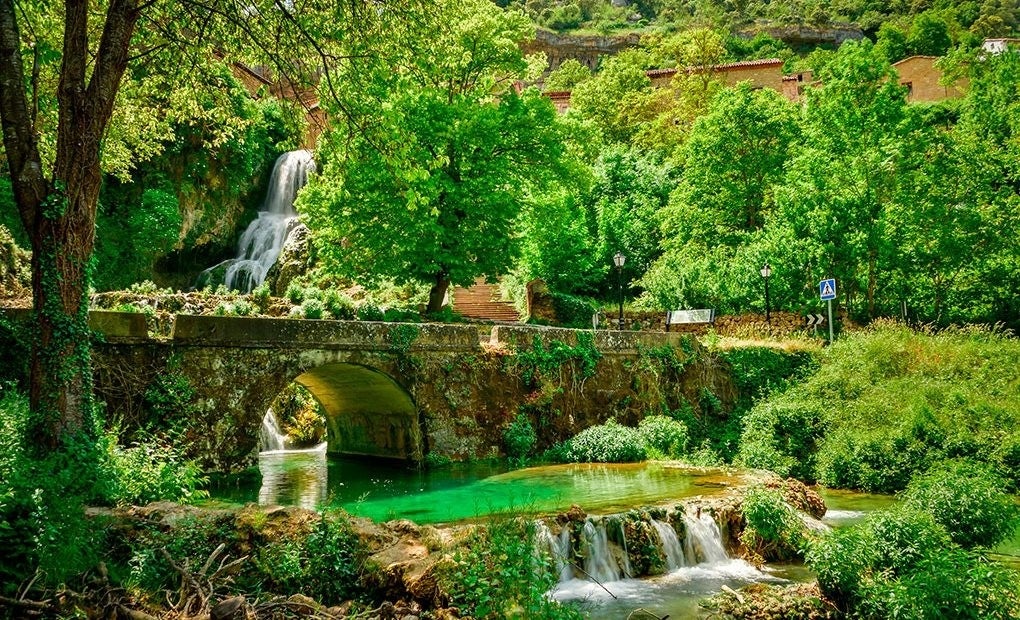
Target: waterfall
pixel 271 438
pixel 704 541
pixel 598 558
pixel 671 546
pixel 607 562
pixel 262 241
pixel 558 548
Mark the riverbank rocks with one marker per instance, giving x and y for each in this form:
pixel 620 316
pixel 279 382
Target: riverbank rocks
pixel 798 495
pixel 295 259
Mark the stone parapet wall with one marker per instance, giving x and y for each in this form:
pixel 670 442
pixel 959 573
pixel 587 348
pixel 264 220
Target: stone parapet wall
pixel 731 325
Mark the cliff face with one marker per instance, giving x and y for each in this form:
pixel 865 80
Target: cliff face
pixel 585 49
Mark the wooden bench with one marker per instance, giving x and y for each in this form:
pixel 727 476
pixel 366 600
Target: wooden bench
pixel 678 317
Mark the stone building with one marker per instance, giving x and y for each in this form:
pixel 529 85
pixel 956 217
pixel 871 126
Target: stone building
pixel 767 73
pixel 923 80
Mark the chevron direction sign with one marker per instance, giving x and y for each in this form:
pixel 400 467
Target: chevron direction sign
pixel 814 320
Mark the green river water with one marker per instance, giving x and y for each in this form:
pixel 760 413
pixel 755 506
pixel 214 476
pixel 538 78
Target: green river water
pixel 384 490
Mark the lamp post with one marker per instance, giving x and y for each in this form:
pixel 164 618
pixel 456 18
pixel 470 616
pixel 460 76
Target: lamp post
pixel 619 259
pixel 766 271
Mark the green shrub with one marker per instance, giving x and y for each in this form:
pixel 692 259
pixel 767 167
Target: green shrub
pixel 334 559
pixel 154 470
pixel 892 403
pixel 665 435
pixel 312 308
pixel 497 575
pixel 295 293
pixel 519 437
pixel 261 296
pixel 242 307
pixel 339 306
pixel 401 315
pixel 782 437
pixel 774 530
pixel 761 371
pixel 968 500
pixel 903 564
pixel 369 312
pixel 573 311
pixel 606 443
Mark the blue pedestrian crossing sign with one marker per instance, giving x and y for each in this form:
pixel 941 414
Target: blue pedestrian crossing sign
pixel 827 289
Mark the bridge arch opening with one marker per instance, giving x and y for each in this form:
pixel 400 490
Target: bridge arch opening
pixel 367 412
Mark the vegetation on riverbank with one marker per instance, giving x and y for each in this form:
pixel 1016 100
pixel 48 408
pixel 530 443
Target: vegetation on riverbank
pixel 889 403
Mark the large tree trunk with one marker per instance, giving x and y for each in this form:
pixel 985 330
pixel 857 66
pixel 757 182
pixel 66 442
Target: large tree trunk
pixel 437 294
pixel 60 216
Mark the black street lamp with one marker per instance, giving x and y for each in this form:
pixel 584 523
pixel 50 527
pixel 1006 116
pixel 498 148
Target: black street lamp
pixel 619 259
pixel 766 271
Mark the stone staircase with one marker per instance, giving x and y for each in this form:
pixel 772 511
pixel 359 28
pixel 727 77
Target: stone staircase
pixel 482 302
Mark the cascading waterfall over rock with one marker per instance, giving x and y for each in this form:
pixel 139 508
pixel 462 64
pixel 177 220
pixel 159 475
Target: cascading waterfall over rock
pixel 262 241
pixel 587 550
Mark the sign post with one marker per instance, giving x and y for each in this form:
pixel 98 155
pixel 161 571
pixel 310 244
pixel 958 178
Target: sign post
pixel 827 292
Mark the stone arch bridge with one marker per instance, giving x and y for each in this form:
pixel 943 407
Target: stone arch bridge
pixel 395 390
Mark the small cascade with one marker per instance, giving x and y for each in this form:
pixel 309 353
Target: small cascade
pixel 704 541
pixel 262 241
pixel 672 548
pixel 566 570
pixel 558 548
pixel 605 561
pixel 599 562
pixel 271 438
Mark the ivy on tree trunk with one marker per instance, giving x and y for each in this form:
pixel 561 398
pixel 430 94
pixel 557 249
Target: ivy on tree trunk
pixel 59 214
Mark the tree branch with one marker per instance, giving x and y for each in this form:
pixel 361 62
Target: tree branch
pixel 19 137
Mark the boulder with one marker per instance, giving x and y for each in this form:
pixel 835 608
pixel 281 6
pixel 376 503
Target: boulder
pixel 295 260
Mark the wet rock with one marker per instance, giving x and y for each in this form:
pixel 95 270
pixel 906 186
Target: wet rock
pixel 295 259
pixel 576 514
pixel 228 609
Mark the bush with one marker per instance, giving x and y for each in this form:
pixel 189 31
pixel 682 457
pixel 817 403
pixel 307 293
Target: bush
pixel 369 312
pixel 902 564
pixel 43 527
pixel 519 437
pixel 607 443
pixel 339 306
pixel 781 437
pixel 295 293
pixel 565 17
pixel 774 530
pixel 155 470
pixel 665 435
pixel 497 575
pixel 888 403
pixel 312 308
pixel 968 500
pixel 573 311
pixel 243 308
pixel 261 296
pixel 334 556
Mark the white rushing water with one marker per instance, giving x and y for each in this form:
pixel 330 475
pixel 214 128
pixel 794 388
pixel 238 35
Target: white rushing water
pixel 697 565
pixel 263 240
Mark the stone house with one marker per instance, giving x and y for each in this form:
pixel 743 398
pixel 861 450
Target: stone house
pixel 923 80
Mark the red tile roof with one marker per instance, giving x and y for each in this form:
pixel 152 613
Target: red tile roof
pixel 744 64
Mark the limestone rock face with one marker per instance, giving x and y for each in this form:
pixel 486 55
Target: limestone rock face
pixel 295 259
pixel 15 268
pixel 585 49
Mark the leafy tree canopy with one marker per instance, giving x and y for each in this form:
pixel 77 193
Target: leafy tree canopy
pixel 429 181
